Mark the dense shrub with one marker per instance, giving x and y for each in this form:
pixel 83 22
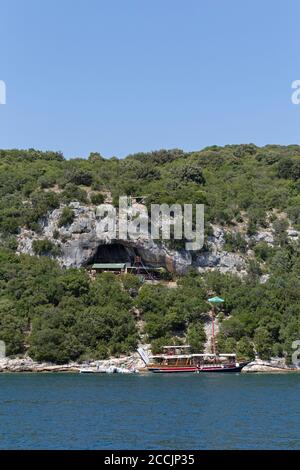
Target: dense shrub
pixel 45 247
pixel 78 176
pixel 66 217
pixel 289 168
pixel 72 192
pixel 190 173
pixel 60 315
pixel 97 198
pixel 235 242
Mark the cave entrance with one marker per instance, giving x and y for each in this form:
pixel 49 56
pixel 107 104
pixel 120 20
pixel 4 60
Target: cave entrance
pixel 117 258
pixel 114 253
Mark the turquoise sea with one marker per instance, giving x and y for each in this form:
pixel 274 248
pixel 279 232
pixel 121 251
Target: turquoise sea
pixel 70 411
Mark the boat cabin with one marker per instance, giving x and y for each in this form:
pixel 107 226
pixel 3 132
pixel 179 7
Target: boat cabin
pixel 180 356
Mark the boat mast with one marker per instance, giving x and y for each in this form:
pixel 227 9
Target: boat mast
pixel 213 330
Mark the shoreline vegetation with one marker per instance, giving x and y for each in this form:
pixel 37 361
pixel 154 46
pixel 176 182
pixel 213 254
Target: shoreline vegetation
pixel 60 316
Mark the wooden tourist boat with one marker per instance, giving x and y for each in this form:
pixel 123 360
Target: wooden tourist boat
pixel 176 359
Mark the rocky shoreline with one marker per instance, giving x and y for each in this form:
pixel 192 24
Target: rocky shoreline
pixel 272 366
pixel 28 365
pixel 128 362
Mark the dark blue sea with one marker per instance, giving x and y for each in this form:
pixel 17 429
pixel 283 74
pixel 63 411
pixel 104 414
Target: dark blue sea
pixel 70 411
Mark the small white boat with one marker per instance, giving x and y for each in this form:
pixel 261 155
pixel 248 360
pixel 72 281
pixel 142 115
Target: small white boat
pixel 92 370
pixel 120 370
pixel 108 370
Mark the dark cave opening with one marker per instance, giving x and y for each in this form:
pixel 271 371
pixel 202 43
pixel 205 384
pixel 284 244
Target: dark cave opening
pixel 114 253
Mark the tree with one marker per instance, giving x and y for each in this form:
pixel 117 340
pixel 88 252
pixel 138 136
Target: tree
pixel 196 337
pixel 67 217
pixel 190 172
pixel 245 348
pixel 263 343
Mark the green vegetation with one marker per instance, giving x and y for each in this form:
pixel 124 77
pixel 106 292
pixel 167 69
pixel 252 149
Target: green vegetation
pixel 172 313
pixel 59 315
pixel 67 217
pixel 97 198
pixel 235 242
pixel 45 248
pixel 236 182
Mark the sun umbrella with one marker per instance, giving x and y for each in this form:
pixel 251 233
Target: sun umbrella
pixel 216 300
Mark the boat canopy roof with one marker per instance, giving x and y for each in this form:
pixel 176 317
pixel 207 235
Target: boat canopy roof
pixel 213 355
pixel 174 356
pixel 186 356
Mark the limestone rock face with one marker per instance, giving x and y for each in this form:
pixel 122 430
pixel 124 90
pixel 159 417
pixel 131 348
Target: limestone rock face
pixel 80 243
pixel 293 234
pixel 217 257
pixel 264 236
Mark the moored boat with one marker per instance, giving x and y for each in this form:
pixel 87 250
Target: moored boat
pixel 178 359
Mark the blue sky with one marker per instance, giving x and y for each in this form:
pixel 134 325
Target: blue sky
pixel 121 76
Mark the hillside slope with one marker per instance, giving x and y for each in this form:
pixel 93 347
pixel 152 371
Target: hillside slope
pixel 250 257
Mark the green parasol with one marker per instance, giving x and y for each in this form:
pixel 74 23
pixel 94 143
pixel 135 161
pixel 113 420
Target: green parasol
pixel 216 300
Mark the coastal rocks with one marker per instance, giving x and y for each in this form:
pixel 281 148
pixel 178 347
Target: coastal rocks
pixel 28 365
pixel 275 365
pixel 127 363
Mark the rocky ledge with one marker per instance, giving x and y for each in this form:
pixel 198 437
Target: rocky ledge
pixel 28 365
pixel 127 362
pixel 272 366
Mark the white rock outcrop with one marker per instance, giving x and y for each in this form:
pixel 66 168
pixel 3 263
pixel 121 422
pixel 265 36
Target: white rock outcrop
pixel 80 240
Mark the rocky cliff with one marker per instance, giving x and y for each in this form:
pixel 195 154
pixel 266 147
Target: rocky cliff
pixel 79 245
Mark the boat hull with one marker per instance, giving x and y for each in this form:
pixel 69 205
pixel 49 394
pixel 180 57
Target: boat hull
pixel 195 369
pixel 220 369
pixel 171 370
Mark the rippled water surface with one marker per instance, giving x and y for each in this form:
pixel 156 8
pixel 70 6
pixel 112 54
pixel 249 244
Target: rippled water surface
pixel 70 411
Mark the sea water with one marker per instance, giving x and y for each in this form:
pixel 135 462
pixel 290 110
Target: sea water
pixel 98 411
